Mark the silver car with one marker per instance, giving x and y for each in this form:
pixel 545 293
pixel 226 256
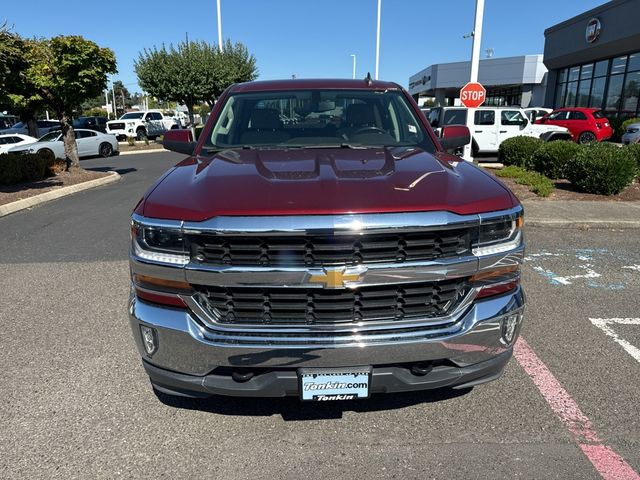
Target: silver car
pixel 90 143
pixel 632 134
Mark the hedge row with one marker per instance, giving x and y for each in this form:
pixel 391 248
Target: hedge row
pixel 600 168
pixel 16 168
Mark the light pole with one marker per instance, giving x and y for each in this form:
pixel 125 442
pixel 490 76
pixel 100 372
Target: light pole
pixel 475 62
pixel 219 28
pixel 354 66
pixel 378 40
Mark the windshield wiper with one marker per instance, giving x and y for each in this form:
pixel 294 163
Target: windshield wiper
pixel 325 145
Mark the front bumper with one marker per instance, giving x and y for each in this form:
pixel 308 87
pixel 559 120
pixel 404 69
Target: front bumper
pixel 189 356
pixel 122 133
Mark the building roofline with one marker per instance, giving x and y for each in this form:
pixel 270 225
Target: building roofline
pixel 585 15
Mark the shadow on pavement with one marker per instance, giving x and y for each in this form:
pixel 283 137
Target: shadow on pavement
pixel 121 171
pixel 292 409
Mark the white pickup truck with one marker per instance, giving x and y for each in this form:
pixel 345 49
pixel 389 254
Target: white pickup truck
pixel 493 125
pixel 148 124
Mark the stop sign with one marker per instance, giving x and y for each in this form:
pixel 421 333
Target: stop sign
pixel 472 95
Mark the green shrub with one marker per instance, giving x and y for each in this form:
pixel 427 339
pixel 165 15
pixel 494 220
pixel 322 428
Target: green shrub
pixel 94 112
pixel 634 151
pixel 131 141
pixel 602 169
pixel 551 158
pixel 540 185
pixel 518 151
pixel 16 168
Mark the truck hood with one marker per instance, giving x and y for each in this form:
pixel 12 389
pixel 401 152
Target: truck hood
pixel 322 181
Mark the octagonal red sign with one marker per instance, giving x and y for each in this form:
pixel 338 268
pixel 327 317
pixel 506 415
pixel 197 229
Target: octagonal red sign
pixel 472 95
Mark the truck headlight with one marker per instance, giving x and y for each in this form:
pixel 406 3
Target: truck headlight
pixel 158 243
pixel 499 234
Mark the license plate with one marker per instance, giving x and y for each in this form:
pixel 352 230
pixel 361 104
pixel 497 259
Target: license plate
pixel 334 383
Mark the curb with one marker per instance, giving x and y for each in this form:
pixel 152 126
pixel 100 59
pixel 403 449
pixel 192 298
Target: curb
pixel 55 194
pixel 151 150
pixel 582 225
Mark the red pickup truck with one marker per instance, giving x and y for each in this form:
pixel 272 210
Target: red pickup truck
pixel 319 241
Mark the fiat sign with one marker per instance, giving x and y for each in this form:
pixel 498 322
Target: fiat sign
pixel 472 95
pixel 593 30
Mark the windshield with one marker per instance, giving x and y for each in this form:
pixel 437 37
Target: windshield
pixel 132 115
pixel 49 137
pixel 318 119
pixel 598 114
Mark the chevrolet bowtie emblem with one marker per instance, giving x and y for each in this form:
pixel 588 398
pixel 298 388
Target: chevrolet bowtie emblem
pixel 337 277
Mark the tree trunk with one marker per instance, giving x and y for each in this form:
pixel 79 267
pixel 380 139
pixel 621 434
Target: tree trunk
pixel 190 109
pixel 32 126
pixel 70 145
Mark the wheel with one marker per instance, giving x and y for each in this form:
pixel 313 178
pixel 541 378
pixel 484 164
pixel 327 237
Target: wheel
pixel 587 137
pixel 141 134
pixel 47 154
pixel 105 150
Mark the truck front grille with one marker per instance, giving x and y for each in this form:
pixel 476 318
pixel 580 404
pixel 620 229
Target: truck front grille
pixel 309 306
pixel 115 126
pixel 325 250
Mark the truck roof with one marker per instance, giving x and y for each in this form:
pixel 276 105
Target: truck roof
pixel 312 83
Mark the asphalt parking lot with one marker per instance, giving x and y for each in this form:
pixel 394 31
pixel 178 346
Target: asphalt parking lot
pixel 76 402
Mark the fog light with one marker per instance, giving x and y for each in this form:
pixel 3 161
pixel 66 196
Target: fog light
pixel 149 339
pixel 509 326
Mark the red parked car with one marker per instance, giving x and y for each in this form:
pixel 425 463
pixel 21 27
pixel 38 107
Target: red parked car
pixel 585 124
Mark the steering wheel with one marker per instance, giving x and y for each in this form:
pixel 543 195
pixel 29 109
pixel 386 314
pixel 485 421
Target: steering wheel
pixel 369 129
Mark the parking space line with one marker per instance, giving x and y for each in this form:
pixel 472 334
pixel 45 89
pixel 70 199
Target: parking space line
pixel 604 325
pixel 608 463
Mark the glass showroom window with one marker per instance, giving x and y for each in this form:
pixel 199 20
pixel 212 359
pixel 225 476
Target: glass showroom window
pixel 612 85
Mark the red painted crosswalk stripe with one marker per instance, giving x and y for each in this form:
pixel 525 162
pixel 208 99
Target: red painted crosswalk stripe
pixel 608 463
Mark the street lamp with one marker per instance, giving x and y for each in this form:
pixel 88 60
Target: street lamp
pixel 475 63
pixel 354 66
pixel 378 39
pixel 219 28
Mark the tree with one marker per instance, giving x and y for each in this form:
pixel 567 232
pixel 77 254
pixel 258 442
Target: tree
pixel 193 72
pixel 123 97
pixel 16 91
pixel 234 65
pixel 67 71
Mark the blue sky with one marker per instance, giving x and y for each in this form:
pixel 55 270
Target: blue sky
pixel 303 37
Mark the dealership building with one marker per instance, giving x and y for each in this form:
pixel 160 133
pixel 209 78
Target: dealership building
pixel 594 60
pixel 509 81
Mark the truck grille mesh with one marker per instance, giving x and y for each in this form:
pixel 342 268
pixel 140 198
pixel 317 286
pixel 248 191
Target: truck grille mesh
pixel 309 306
pixel 325 250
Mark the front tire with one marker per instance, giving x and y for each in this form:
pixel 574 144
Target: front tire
pixel 141 134
pixel 47 154
pixel 587 137
pixel 105 150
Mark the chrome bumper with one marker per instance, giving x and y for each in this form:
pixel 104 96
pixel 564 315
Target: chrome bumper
pixel 185 345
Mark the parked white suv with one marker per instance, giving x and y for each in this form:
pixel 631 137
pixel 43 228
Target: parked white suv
pixel 493 125
pixel 148 124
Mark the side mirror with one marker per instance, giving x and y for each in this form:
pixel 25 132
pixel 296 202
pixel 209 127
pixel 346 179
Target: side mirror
pixel 180 141
pixel 453 137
